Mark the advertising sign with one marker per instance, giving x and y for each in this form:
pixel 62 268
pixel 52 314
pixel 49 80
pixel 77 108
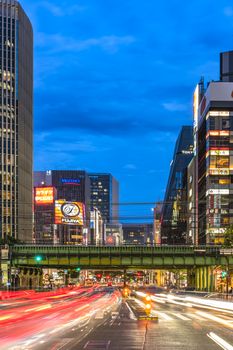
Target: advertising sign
pixel 219 171
pixel 74 182
pixel 44 195
pixel 69 213
pixel 196 105
pixel 217 191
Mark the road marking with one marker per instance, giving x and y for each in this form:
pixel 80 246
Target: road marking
pixel 131 314
pixel 221 342
pixel 197 317
pixel 216 319
pixel 184 318
pixel 164 316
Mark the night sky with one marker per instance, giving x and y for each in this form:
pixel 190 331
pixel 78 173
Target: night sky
pixel 114 81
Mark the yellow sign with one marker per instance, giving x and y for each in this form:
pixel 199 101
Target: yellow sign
pixel 69 213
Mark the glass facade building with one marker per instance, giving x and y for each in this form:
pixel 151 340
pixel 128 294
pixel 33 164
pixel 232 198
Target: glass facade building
pixel 105 196
pixel 174 210
pixel 16 115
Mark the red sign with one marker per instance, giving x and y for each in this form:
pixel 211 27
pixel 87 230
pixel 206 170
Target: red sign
pixel 44 195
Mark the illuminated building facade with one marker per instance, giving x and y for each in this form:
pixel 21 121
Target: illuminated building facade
pixel 174 210
pixel 105 196
pixel 16 114
pixel 192 236
pixel 72 187
pixel 214 149
pixel 157 224
pixel 44 228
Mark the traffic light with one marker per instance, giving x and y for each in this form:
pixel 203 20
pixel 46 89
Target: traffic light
pixel 78 269
pixel 224 274
pixel 38 258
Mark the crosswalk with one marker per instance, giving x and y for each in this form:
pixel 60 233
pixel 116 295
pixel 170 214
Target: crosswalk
pixel 172 316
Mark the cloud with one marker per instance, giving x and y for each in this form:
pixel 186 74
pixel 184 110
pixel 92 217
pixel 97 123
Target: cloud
pixel 228 11
pixel 130 166
pixel 60 11
pixel 59 43
pixel 174 106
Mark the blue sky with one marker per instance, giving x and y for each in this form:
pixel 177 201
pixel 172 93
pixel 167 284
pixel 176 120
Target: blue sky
pixel 114 81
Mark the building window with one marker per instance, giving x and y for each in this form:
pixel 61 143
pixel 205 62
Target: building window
pixel 225 124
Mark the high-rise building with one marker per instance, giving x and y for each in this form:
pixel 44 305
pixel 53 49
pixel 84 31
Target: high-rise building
pixel 174 210
pixel 138 233
pixel 157 224
pixel 16 111
pixel 70 188
pixel 105 196
pixel 192 237
pixel 213 127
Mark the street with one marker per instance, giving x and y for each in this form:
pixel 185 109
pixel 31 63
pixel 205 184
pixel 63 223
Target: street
pixel 100 319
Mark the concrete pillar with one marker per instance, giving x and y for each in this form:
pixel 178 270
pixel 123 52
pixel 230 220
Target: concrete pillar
pixel 205 278
pixel 151 277
pixel 190 278
pixel 196 279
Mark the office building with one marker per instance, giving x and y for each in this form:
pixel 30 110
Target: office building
pixel 213 126
pixel 192 236
pixel 174 210
pixel 72 192
pixel 105 196
pixel 16 111
pixel 96 227
pixel 137 234
pixel 157 224
pixel 113 234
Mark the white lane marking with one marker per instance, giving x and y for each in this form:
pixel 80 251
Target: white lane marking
pixel 182 317
pixel 215 318
pixel 131 314
pixel 197 317
pixel 221 342
pixel 164 316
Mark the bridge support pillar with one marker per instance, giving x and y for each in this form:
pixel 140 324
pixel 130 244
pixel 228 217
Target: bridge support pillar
pixel 190 278
pixel 30 278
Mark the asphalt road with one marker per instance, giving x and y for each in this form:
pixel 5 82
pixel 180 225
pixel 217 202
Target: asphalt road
pixel 178 327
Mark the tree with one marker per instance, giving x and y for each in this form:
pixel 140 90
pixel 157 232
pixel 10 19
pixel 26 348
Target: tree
pixel 228 237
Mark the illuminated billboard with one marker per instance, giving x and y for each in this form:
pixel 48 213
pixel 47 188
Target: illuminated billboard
pixel 69 213
pixel 44 195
